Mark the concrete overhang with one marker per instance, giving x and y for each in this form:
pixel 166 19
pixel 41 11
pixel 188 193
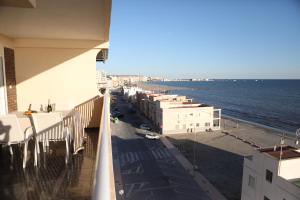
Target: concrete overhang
pixel 18 3
pixel 58 19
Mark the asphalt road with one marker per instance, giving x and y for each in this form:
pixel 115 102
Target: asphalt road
pixel 144 168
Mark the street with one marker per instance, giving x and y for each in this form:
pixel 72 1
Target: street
pixel 143 168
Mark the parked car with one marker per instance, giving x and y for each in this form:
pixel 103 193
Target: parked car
pixel 117 114
pixel 152 136
pixel 145 127
pixel 115 109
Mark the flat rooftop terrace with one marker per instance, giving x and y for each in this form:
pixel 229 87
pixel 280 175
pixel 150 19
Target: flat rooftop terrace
pixel 52 179
pixel 287 152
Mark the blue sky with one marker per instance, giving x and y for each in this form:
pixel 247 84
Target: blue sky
pixel 205 38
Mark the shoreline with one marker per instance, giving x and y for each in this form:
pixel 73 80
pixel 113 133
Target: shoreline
pixel 162 88
pixel 275 131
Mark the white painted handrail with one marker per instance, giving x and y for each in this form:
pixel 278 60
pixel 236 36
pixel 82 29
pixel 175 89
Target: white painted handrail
pixel 104 179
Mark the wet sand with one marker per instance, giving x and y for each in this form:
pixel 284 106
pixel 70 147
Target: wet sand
pixel 219 155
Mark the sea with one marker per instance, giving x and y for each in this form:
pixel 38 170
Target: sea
pixel 273 103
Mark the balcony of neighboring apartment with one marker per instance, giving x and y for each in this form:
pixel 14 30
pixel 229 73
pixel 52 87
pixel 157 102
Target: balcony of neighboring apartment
pixel 46 58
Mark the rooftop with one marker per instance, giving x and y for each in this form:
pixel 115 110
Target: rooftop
pixel 288 152
pixel 195 106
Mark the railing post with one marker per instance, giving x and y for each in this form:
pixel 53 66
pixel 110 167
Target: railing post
pixel 103 180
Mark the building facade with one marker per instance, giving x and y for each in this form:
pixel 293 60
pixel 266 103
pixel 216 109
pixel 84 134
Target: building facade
pixel 127 80
pixel 173 114
pixel 272 174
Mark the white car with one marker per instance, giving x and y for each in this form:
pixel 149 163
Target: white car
pixel 152 136
pixel 145 127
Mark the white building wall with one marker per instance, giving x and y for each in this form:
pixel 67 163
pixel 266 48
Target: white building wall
pixel 279 189
pixel 290 169
pixel 182 120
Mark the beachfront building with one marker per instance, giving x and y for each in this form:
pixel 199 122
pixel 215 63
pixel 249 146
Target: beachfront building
pixel 48 51
pixel 130 93
pixel 125 80
pixel 102 80
pixel 272 174
pixel 188 117
pixel 173 114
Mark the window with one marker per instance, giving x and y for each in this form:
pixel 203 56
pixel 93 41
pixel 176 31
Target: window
pixel 269 175
pixel 251 181
pixel 197 124
pixel 207 124
pixel 192 114
pixel 266 198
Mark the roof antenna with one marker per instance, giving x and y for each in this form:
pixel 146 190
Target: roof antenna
pixel 281 144
pixel 280 155
pixel 297 136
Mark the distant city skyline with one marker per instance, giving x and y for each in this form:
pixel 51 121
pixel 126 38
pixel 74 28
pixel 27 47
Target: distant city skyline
pixel 205 39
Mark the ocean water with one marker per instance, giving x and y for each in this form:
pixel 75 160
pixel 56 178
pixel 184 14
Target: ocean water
pixel 274 103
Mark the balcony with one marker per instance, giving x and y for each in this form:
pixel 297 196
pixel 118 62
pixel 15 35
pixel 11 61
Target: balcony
pixel 88 175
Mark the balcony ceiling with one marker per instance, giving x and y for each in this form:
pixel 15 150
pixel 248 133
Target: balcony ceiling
pixel 58 19
pixel 18 3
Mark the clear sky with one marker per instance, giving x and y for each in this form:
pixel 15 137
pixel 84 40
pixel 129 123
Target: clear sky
pixel 205 38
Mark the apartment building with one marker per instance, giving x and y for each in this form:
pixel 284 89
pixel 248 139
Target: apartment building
pixel 102 80
pixel 188 117
pixel 121 80
pixel 130 93
pixel 173 114
pixel 272 174
pixel 156 102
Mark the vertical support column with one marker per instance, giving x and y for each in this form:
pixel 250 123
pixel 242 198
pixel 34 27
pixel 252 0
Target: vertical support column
pixel 10 74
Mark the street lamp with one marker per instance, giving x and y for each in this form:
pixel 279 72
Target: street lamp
pixel 195 167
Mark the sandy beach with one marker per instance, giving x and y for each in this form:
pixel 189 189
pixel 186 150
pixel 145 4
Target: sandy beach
pixel 219 155
pixel 159 88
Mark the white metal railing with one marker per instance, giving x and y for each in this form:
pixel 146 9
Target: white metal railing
pixel 104 178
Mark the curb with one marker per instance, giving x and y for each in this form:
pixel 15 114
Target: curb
pixel 211 191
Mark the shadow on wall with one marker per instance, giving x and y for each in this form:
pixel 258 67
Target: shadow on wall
pixel 223 169
pixel 91 111
pixel 31 62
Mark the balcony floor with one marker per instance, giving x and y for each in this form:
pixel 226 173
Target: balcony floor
pixel 52 179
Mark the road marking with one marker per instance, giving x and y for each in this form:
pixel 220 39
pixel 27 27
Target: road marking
pixel 132 186
pixel 136 155
pixel 154 154
pixel 134 170
pixel 132 157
